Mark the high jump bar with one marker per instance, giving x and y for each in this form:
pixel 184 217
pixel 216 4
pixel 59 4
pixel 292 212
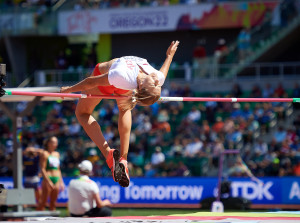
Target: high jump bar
pixel 72 95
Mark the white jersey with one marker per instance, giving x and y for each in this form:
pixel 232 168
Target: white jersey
pixel 124 71
pixel 81 192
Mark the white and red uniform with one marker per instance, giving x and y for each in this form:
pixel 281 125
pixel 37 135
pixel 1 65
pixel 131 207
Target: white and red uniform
pixel 123 73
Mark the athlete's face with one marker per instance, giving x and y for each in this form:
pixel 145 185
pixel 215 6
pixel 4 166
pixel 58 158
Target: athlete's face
pixel 53 143
pixel 151 82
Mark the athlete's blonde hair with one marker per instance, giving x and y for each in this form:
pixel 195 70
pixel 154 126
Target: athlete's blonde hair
pixel 143 97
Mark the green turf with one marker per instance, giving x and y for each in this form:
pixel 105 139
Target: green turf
pixel 140 211
pixel 240 214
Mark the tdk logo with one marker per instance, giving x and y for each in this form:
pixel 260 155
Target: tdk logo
pixel 252 190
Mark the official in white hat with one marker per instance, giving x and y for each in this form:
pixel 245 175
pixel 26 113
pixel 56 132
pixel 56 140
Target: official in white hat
pixel 84 197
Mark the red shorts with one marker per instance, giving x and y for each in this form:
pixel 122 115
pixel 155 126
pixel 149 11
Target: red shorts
pixel 107 90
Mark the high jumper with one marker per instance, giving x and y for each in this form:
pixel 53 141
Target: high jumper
pixel 126 76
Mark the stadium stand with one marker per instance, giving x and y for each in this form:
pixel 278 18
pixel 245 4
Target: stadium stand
pixel 218 126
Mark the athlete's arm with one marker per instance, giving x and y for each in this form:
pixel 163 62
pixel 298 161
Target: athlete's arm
pixel 87 83
pixel 62 184
pixel 43 164
pixel 169 57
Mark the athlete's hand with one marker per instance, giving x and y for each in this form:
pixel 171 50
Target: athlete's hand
pixel 62 187
pixel 65 89
pixel 106 202
pixel 51 185
pixel 172 48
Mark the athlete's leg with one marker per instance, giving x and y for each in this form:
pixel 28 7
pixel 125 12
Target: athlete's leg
pixel 53 197
pixel 105 66
pixel 124 127
pixel 44 196
pixel 84 110
pixel 37 192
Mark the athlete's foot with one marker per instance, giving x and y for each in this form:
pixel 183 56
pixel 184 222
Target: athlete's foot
pixel 112 161
pixel 125 180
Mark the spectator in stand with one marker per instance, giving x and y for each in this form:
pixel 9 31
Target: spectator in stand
pixel 199 51
pixel 296 169
pixel 144 127
pixel 187 92
pixel 163 116
pixel 266 116
pixel 228 125
pixel 236 91
pixel 296 91
pixel 252 124
pixel 234 135
pixel 286 167
pixel 84 197
pixel 256 92
pixel 108 134
pixel 273 168
pixel 156 164
pixel 176 148
pixel 237 112
pixel 279 90
pixel 218 147
pixel 291 135
pixel 244 44
pixel 199 59
pixel 261 147
pixel 206 128
pixel 52 178
pixel 285 149
pixel 178 170
pixel 74 128
pixel 61 61
pixel 137 158
pixel 280 134
pixel 247 111
pixel 219 125
pixel 221 51
pixel 295 145
pixel 175 90
pixel 210 110
pixel 193 148
pixel 268 91
pixel 194 115
pixel 157 158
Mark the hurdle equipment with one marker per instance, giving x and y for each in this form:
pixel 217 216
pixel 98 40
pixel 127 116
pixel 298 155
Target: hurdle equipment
pixel 201 99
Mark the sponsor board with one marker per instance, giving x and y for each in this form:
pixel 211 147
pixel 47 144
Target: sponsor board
pixel 190 190
pixel 171 18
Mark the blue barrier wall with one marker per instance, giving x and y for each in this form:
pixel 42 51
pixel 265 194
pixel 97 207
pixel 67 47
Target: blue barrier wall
pixel 190 190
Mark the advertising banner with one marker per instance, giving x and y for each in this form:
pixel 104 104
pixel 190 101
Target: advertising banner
pixel 190 190
pixel 171 18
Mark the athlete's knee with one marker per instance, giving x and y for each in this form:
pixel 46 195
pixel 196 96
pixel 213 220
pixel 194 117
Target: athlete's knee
pixel 80 112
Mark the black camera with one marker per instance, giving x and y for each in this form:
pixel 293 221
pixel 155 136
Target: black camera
pixel 2 82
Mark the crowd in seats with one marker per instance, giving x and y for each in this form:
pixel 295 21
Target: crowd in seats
pixel 172 138
pixel 96 4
